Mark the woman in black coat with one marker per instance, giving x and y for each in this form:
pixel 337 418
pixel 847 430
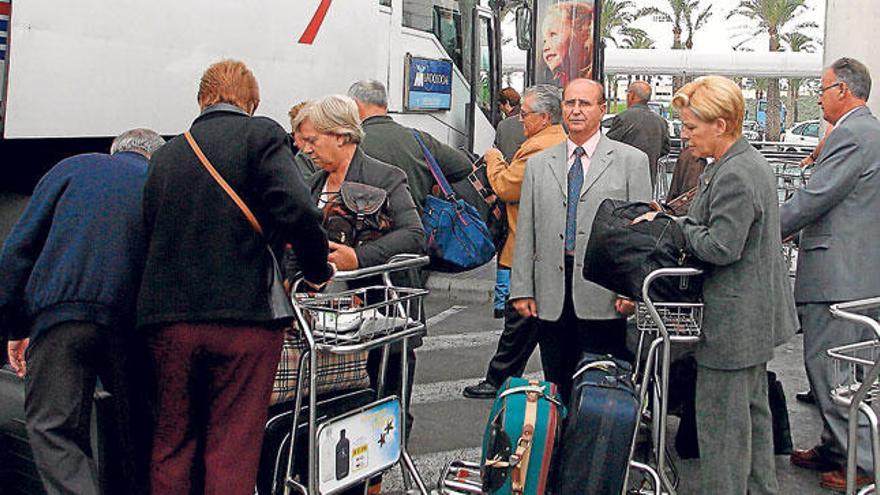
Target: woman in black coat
pixel 330 131
pixel 204 301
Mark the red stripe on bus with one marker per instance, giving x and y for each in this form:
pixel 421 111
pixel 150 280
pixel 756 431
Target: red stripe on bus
pixel 5 8
pixel 314 26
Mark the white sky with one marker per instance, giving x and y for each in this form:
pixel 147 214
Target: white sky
pixel 720 33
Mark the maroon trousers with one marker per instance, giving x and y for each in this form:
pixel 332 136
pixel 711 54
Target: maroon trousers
pixel 214 382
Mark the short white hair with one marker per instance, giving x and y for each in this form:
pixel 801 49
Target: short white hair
pixel 137 140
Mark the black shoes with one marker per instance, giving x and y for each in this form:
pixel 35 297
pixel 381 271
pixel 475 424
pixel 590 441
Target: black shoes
pixel 482 390
pixel 805 397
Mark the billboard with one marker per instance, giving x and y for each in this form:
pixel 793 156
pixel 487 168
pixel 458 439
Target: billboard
pixel 565 41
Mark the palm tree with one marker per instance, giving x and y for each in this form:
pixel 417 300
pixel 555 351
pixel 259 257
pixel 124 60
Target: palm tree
pixel 636 39
pixel 694 25
pixel 771 17
pixel 797 41
pixel 683 15
pixel 617 15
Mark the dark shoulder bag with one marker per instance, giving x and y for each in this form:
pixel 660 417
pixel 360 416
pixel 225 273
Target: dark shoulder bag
pixel 279 300
pixel 357 214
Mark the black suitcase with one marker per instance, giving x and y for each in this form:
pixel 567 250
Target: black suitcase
pixel 598 435
pixel 18 474
pixel 276 440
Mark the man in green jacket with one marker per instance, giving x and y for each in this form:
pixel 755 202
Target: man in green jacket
pixel 392 143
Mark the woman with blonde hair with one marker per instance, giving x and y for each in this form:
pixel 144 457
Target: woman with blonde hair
pixel 733 226
pixel 205 301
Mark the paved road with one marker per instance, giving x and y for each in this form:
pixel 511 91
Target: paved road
pixel 448 426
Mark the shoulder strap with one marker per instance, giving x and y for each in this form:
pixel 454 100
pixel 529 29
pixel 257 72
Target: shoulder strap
pixel 445 188
pixel 225 185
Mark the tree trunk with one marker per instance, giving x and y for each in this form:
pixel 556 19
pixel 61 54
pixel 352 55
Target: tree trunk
pixel 773 106
pixel 794 86
pixel 677 81
pixel 773 103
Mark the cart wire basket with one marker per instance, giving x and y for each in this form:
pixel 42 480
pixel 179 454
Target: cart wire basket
pixel 368 315
pixel 680 319
pixel 857 367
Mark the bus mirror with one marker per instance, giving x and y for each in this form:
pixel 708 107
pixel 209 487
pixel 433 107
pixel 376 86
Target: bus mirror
pixel 523 27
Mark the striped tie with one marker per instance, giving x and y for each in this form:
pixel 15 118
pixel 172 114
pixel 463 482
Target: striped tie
pixel 575 182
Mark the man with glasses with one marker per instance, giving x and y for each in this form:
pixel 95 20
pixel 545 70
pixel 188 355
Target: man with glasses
pixel 541 118
pixel 561 192
pixel 839 256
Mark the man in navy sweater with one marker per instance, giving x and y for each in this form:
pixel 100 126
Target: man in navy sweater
pixel 69 274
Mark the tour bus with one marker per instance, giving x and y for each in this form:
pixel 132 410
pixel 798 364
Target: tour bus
pixel 75 74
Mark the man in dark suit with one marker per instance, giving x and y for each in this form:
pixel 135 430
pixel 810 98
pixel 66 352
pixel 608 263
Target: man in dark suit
pixel 639 126
pixel 839 257
pixel 394 144
pixel 71 267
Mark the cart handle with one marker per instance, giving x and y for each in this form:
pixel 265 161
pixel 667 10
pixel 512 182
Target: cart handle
pixel 666 272
pixel 398 262
pixel 847 311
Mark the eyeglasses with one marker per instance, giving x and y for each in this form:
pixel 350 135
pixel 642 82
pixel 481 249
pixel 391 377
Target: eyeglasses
pixel 523 114
pixel 826 88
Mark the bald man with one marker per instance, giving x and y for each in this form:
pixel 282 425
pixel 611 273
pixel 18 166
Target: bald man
pixel 639 126
pixel 561 192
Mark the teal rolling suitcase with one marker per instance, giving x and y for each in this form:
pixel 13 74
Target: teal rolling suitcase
pixel 520 438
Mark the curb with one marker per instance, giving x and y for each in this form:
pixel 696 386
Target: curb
pixel 461 289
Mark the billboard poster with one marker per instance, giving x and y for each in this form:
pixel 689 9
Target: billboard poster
pixel 565 41
pixel 428 84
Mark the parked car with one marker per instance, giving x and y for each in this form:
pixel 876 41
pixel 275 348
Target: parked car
pixel 801 135
pixel 752 130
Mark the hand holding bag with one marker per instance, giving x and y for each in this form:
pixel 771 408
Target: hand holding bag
pixel 457 237
pixel 279 299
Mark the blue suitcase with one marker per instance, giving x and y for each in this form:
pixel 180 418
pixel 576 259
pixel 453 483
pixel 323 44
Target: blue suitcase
pixel 597 439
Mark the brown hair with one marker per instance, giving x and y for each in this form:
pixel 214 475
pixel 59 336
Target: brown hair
pixel 294 111
pixel 509 95
pixel 229 81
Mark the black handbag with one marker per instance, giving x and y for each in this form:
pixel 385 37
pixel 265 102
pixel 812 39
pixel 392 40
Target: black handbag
pixel 357 214
pixel 621 254
pixel 279 299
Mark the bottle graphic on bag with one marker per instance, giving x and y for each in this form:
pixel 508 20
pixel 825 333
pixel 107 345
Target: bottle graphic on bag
pixel 328 460
pixel 343 449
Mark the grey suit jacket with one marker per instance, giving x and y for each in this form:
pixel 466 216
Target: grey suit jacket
pixel 509 136
pixel 639 126
pixel 837 214
pixel 616 171
pixel 733 225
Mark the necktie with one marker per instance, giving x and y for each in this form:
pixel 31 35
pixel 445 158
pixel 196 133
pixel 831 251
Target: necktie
pixel 575 182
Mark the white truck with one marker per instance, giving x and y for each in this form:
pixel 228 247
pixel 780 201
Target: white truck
pixel 78 73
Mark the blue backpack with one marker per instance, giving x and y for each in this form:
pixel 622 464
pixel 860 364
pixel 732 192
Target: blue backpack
pixel 457 238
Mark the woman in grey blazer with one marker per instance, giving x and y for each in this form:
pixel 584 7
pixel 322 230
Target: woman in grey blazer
pixel 733 225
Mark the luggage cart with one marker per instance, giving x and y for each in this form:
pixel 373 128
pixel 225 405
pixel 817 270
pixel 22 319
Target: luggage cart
pixel 790 177
pixel 857 367
pixel 664 323
pixel 347 322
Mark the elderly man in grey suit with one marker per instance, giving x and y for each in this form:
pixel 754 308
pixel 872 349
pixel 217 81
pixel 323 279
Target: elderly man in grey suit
pixel 561 191
pixel 639 126
pixel 836 215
